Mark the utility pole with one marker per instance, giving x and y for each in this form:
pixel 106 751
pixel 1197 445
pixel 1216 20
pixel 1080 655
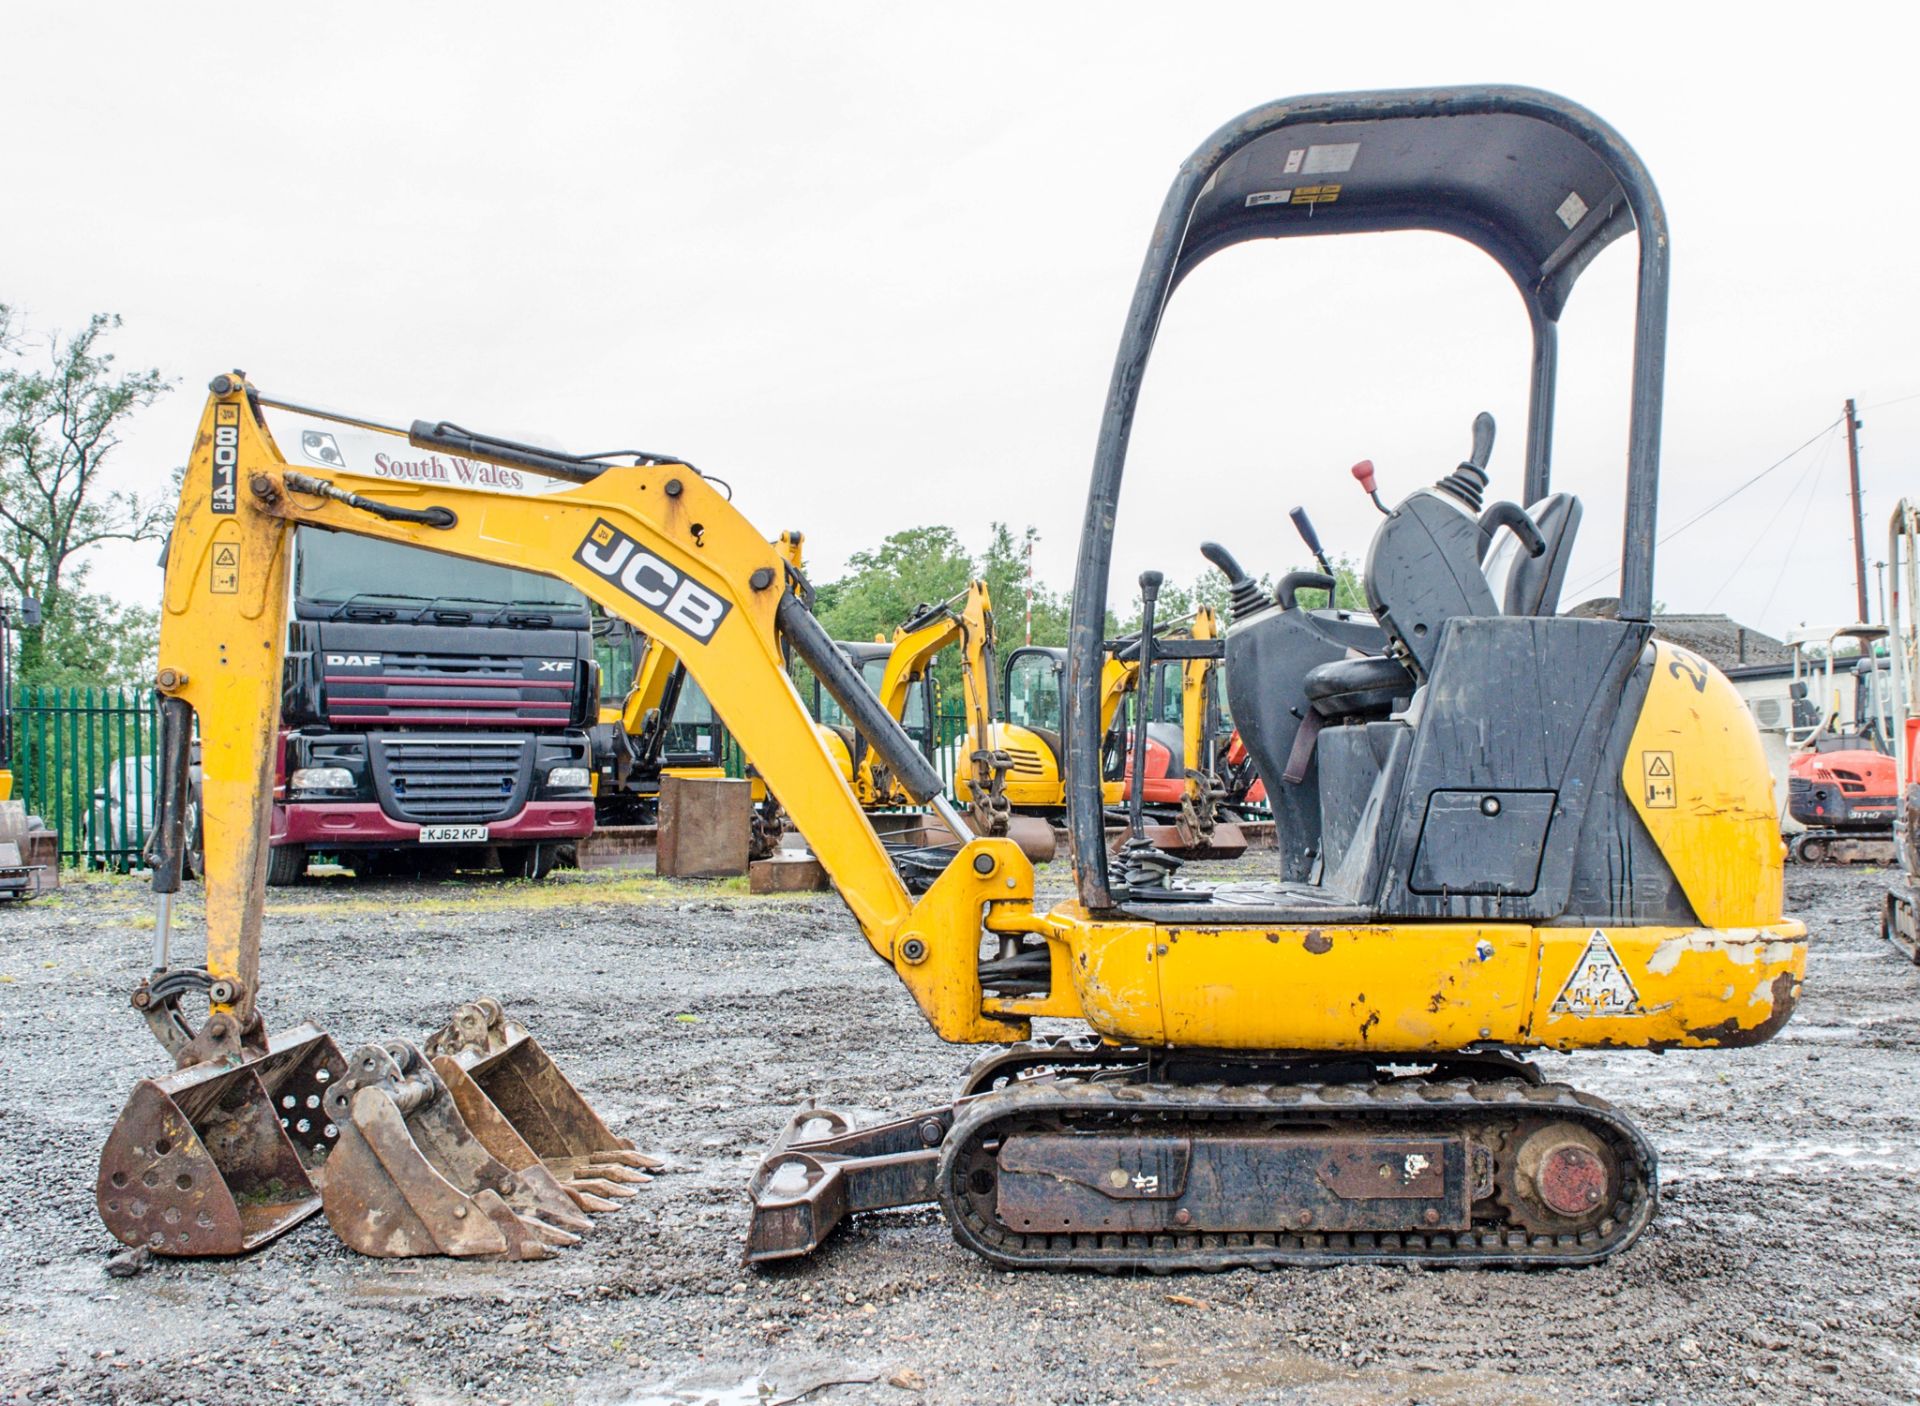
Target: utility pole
pixel 1859 546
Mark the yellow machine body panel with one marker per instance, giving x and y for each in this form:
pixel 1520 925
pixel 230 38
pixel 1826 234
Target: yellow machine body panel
pixel 6 785
pixel 1422 987
pixel 1699 780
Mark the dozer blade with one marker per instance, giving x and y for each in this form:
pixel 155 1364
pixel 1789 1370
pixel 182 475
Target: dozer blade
pixel 821 1169
pixel 408 1176
pixel 513 1086
pixel 216 1158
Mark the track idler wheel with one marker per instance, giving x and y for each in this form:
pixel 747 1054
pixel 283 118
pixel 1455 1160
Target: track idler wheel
pixel 1561 1179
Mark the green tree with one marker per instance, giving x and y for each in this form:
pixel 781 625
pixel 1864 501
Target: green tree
pixel 95 640
pixel 58 426
pixel 884 586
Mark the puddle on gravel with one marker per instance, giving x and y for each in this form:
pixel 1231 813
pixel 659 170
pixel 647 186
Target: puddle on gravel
pixel 789 1387
pixel 1764 1159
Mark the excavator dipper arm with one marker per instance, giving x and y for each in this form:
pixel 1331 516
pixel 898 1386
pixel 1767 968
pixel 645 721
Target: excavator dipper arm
pixel 653 543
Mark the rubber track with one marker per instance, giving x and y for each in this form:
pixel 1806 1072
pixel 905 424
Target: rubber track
pixel 1404 1107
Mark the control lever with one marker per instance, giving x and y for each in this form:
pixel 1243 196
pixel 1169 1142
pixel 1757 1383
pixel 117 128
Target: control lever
pixel 1468 483
pixel 1304 526
pixel 1149 592
pixel 1246 596
pixel 1363 473
pixel 1482 442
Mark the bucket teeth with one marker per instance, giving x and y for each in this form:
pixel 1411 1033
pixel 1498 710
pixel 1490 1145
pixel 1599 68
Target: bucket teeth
pixel 219 1158
pixel 526 1111
pixel 409 1177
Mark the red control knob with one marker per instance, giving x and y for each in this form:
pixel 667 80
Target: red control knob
pixel 1363 471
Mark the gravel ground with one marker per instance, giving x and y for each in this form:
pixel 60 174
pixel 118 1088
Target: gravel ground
pixel 1782 1265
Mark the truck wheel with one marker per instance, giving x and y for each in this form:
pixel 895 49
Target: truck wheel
pixel 286 866
pixel 527 861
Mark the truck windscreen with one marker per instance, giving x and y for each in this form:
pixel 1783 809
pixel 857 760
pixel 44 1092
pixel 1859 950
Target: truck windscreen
pixel 331 568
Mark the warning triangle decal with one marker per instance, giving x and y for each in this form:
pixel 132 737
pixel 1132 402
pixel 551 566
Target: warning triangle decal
pixel 1598 984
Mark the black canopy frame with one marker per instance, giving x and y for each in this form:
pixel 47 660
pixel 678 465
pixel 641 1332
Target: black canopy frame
pixel 1538 182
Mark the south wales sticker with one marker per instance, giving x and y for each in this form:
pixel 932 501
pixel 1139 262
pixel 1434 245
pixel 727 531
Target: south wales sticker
pixel 1598 985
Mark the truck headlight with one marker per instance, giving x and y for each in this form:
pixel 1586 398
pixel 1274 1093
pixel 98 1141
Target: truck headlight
pixel 321 778
pixel 569 778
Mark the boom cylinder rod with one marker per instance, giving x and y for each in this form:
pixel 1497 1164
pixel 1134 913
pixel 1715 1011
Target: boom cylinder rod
pixel 844 684
pixel 168 845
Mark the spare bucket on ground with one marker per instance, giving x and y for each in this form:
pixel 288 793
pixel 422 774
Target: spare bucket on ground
pixel 409 1177
pixel 219 1158
pixel 513 1095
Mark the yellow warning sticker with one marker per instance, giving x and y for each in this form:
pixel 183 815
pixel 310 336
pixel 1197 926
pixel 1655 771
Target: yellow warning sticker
pixel 601 534
pixel 226 414
pixel 1315 195
pixel 1656 773
pixel 225 577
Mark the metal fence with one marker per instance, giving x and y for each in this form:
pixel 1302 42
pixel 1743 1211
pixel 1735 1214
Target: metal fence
pixel 83 758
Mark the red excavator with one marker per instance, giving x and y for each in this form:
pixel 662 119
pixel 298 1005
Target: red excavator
pixel 1841 784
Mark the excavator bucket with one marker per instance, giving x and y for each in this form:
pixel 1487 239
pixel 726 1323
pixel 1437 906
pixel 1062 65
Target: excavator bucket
pixel 217 1158
pixel 518 1102
pixel 409 1177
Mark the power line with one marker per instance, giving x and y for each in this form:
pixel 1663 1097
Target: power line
pixel 1813 465
pixel 1883 404
pixel 1786 557
pixel 1719 502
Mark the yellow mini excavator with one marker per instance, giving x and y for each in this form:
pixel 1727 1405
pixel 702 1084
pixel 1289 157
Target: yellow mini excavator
pixel 1182 793
pixel 1515 829
pixel 1024 724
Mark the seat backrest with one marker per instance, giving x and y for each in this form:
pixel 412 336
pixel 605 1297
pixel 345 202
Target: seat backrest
pixel 1422 570
pixel 1533 583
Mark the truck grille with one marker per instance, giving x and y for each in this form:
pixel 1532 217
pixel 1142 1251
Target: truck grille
pixel 465 780
pixel 449 690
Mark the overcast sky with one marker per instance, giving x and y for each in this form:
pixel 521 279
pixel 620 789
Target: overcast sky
pixel 870 263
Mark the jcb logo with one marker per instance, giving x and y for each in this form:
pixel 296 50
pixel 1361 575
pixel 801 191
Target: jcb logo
pixel 226 459
pixel 649 580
